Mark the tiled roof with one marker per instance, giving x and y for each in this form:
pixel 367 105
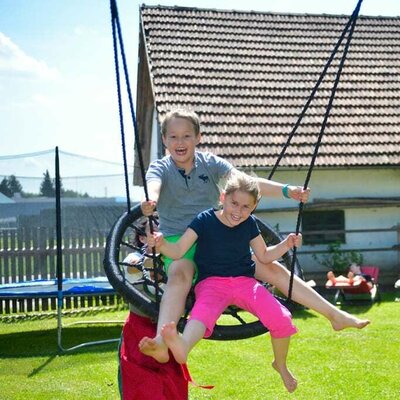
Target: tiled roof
pixel 248 75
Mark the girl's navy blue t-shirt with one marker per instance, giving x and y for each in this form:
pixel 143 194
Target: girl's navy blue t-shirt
pixel 223 250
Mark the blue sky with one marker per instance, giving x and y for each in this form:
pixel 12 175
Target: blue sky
pixel 57 79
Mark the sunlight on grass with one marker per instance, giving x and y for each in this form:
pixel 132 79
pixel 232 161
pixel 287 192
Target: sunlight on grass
pixel 329 365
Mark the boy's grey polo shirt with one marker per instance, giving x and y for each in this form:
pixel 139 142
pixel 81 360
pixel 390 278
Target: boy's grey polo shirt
pixel 182 196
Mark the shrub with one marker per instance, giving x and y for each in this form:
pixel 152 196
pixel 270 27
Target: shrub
pixel 337 260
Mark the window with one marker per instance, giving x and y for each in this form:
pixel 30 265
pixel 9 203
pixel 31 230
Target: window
pixel 323 222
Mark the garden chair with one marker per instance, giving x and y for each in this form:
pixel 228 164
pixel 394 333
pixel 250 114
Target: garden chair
pixel 358 290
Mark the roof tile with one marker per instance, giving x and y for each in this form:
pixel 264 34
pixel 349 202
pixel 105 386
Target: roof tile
pixel 249 74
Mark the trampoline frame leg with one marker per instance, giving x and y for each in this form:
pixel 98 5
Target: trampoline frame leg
pixel 81 345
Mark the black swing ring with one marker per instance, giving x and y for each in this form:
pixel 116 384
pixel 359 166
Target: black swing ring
pixel 146 303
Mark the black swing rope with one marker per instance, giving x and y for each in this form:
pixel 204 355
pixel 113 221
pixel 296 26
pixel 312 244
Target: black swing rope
pixel 117 39
pixel 350 29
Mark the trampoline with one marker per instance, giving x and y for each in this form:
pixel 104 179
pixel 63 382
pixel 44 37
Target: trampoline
pixel 49 288
pixel 60 289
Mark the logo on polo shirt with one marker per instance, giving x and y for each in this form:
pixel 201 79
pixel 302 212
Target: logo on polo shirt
pixel 204 178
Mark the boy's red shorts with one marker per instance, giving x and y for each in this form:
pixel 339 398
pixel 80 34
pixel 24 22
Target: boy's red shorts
pixel 142 377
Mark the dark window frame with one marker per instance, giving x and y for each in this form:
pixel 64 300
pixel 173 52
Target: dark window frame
pixel 323 220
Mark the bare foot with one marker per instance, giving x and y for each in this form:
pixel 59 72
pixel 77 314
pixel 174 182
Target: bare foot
pixel 289 380
pixel 154 347
pixel 174 342
pixel 331 276
pixel 345 320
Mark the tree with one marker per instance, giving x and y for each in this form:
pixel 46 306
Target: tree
pixel 9 186
pixel 47 188
pixel 5 188
pixel 73 193
pixel 14 185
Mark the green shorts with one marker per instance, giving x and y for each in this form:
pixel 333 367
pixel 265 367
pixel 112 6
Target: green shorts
pixel 189 255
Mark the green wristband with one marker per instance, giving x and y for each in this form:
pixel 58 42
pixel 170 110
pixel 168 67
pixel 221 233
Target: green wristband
pixel 285 191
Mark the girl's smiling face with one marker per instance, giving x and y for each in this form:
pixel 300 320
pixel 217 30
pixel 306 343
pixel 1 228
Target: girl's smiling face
pixel 237 207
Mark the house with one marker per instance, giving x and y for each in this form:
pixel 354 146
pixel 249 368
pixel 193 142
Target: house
pixel 5 200
pixel 248 75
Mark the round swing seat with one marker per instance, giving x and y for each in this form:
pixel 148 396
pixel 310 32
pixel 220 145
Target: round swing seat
pixel 140 289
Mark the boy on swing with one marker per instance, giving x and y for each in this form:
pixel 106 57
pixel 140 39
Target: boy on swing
pixel 185 183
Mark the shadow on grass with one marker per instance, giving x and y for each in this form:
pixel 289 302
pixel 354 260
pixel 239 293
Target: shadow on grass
pixel 353 306
pixel 44 343
pixel 303 313
pixel 360 305
pixel 41 367
pixel 357 307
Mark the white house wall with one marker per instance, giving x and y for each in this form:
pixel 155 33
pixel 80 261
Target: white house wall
pixel 154 138
pixel 339 184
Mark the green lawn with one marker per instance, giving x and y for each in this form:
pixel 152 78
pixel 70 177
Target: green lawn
pixel 329 365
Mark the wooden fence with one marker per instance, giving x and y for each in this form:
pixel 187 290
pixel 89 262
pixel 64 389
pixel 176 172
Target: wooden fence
pixel 28 254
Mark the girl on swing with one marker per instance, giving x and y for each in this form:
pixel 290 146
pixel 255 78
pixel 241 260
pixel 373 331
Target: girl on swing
pixel 226 273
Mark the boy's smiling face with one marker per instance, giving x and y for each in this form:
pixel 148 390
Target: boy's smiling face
pixel 181 141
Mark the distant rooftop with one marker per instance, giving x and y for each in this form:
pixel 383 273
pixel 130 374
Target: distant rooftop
pixel 5 200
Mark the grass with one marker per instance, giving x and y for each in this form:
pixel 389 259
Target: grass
pixel 329 365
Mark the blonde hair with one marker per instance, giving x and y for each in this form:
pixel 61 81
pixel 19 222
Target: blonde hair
pixel 242 182
pixel 190 116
